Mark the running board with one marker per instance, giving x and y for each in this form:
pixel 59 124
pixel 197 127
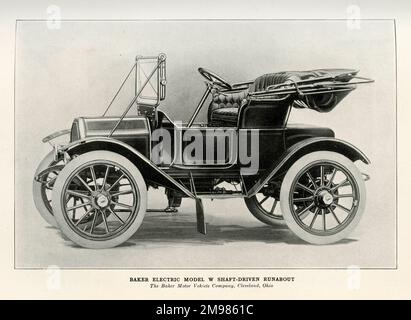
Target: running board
pixel 201 226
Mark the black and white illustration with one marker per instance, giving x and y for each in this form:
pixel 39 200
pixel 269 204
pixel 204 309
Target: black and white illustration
pixel 206 144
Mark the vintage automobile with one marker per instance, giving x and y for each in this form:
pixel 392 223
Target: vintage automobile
pixel 94 188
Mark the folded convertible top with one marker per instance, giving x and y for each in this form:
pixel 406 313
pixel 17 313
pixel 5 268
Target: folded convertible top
pixel 320 89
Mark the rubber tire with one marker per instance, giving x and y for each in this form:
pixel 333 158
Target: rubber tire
pixel 285 193
pixel 45 213
pixel 259 214
pixel 58 188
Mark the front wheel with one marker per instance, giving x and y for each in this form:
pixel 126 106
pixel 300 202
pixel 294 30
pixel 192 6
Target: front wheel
pixel 322 197
pixel 99 199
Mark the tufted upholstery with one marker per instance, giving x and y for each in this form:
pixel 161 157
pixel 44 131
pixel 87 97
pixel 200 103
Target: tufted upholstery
pixel 223 109
pixel 225 117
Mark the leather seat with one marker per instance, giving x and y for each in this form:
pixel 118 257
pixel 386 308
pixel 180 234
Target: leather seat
pixel 223 109
pixel 225 117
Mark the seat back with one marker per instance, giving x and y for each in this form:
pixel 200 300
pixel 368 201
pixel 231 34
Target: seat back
pixel 266 114
pixel 226 100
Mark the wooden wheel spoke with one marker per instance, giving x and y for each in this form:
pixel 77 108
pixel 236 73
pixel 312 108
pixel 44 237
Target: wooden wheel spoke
pixel 314 218
pixel 78 194
pixel 273 207
pixel 105 221
pixel 304 199
pixel 93 224
pixel 343 196
pixel 105 178
pixel 264 200
pixel 84 183
pixel 322 176
pixel 330 181
pixel 78 206
pixel 305 209
pixel 334 215
pixel 117 181
pixel 305 188
pixel 312 180
pixel 115 214
pixel 93 174
pixel 122 193
pixel 74 211
pixel 122 205
pixel 83 216
pixel 342 207
pixel 343 183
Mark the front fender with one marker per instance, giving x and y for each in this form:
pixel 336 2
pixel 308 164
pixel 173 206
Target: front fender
pixel 149 170
pixel 299 149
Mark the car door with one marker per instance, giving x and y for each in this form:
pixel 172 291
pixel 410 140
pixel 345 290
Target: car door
pixel 207 147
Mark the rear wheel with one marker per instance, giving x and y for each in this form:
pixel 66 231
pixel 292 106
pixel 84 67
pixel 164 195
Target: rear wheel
pixel 265 208
pixel 111 199
pixel 322 197
pixel 42 190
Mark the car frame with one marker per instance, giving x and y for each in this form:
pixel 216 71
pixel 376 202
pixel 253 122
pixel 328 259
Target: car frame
pixel 81 186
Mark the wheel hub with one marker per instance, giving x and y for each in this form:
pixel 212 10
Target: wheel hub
pixel 101 200
pixel 324 198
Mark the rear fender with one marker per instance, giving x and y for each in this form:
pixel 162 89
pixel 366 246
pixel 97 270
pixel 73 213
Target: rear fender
pixel 149 170
pixel 41 175
pixel 302 148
